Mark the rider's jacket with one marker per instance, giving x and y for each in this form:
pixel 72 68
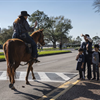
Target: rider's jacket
pixel 21 26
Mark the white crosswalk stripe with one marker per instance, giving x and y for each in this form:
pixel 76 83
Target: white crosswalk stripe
pixel 40 76
pixel 22 75
pixel 43 76
pixel 63 76
pixel 3 76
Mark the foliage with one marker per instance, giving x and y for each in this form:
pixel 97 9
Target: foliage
pixel 96 39
pixel 97 5
pixel 58 30
pixel 41 17
pixel 78 39
pixel 6 34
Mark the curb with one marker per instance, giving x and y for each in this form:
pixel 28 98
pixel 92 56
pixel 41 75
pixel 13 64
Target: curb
pixel 53 54
pixel 60 90
pixel 1 60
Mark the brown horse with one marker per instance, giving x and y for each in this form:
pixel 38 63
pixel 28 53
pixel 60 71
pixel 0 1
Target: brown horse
pixel 15 52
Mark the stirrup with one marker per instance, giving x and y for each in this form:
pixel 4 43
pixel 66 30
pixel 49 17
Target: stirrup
pixel 35 60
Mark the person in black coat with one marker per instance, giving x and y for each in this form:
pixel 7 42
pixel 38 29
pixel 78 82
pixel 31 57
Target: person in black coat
pixel 87 55
pixel 21 29
pixel 80 63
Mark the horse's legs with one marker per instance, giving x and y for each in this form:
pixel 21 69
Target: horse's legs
pixel 9 73
pixel 32 72
pixel 13 69
pixel 28 70
pixel 12 78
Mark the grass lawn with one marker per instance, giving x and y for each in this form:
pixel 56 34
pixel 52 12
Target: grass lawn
pixel 2 57
pixel 1 53
pixel 41 53
pixel 53 52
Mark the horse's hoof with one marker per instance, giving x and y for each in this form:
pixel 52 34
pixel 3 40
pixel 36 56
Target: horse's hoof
pixel 10 85
pixel 33 78
pixel 27 83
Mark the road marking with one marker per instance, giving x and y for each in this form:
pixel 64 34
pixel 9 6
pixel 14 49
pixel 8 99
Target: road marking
pixel 40 76
pixel 22 75
pixel 3 76
pixel 43 76
pixel 63 76
pixel 67 88
pixel 59 93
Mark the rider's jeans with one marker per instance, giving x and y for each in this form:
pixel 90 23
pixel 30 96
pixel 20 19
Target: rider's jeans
pixel 28 39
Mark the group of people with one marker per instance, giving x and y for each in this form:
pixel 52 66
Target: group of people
pixel 89 57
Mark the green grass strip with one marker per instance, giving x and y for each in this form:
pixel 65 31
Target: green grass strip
pixel 2 57
pixel 41 53
pixel 1 53
pixel 53 52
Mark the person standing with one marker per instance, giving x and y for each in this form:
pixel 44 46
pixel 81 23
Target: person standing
pixel 80 63
pixel 95 61
pixel 88 56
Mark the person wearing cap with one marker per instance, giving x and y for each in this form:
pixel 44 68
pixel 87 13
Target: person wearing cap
pixel 21 29
pixel 88 56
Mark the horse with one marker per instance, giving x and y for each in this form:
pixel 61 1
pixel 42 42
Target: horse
pixel 15 52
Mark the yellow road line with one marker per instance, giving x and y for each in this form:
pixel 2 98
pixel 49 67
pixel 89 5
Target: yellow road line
pixel 55 97
pixel 65 85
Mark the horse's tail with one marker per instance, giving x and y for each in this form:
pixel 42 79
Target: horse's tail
pixel 8 54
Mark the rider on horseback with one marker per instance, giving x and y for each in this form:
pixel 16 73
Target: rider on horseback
pixel 21 29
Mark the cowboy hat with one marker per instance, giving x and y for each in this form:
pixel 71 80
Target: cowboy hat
pixel 24 13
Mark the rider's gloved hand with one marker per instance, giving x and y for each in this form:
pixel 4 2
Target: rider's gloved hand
pixel 35 24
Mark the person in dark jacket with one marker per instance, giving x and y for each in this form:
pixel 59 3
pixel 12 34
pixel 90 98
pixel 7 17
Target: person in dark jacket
pixel 21 29
pixel 80 63
pixel 95 61
pixel 88 56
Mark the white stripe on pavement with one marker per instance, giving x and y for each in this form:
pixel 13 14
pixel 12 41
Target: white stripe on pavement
pixel 22 76
pixel 63 76
pixel 3 76
pixel 43 76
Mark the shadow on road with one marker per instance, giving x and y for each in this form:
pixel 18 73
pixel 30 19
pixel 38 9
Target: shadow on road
pixel 44 90
pixel 83 90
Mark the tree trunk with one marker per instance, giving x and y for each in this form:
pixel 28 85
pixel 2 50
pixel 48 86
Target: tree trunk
pixel 54 44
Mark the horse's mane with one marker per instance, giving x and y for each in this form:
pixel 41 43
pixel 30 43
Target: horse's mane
pixel 36 32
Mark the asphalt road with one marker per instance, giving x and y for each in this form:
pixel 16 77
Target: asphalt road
pixel 50 73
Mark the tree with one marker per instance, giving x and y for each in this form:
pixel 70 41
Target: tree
pixel 57 30
pixel 78 39
pixel 96 39
pixel 6 34
pixel 41 17
pixel 97 5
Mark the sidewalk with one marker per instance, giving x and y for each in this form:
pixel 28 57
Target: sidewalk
pixel 83 90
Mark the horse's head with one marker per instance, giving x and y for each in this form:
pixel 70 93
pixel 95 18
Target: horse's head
pixel 41 37
pixel 38 37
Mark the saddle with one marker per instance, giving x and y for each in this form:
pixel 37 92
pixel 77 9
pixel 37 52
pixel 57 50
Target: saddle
pixel 28 47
